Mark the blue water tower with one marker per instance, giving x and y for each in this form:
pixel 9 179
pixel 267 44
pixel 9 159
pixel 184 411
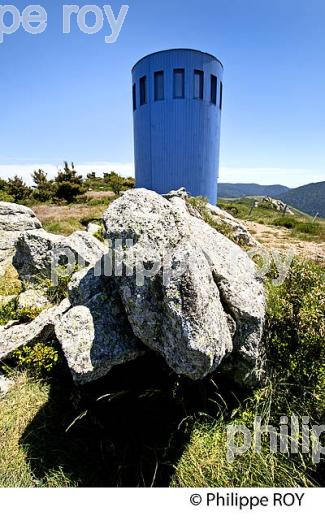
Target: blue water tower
pixel 177 102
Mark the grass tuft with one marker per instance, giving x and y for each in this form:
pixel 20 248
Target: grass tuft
pixel 17 410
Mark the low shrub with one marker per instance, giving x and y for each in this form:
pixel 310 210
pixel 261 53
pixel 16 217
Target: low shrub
pixel 58 290
pixel 100 234
pixel 11 312
pixel 287 222
pixel 310 228
pixel 39 359
pixel 5 197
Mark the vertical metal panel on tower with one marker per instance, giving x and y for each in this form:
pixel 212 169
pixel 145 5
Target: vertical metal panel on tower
pixel 177 131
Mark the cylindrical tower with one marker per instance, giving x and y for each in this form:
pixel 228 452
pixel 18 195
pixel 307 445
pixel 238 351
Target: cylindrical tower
pixel 177 102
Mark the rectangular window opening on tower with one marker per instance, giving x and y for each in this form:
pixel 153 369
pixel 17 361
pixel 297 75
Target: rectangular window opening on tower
pixel 179 83
pixel 159 86
pixel 221 92
pixel 134 95
pixel 143 90
pixel 198 84
pixel 214 85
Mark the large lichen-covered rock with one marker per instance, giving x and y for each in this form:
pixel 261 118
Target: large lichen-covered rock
pixel 189 292
pixel 39 254
pixel 14 219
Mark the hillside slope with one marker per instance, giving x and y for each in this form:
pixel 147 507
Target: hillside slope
pixel 226 190
pixel 309 198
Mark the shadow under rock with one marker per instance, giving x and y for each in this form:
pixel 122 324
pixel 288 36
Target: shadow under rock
pixel 127 429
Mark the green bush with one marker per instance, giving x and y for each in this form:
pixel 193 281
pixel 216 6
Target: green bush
pixel 18 189
pixel 287 222
pixel 10 312
pixel 5 197
pixel 39 359
pixel 100 234
pixel 295 334
pixel 310 228
pixel 68 184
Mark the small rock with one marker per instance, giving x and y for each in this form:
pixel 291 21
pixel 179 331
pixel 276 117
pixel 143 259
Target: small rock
pixel 33 298
pixel 39 254
pixel 93 228
pixel 5 384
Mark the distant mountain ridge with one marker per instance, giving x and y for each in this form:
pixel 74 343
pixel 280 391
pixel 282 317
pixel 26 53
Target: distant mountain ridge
pixel 226 189
pixel 309 198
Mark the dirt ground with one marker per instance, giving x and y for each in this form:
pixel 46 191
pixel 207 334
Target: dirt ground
pixel 50 213
pixel 99 194
pixel 281 239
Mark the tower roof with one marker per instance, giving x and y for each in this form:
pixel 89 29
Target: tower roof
pixel 181 49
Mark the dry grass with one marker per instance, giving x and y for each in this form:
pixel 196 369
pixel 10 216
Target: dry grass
pixel 274 238
pixel 9 282
pixel 99 194
pixel 67 219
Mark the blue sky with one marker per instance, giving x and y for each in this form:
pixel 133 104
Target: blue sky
pixel 68 96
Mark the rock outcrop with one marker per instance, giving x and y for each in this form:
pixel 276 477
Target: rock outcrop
pixel 193 295
pixel 169 283
pixel 14 219
pixel 278 205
